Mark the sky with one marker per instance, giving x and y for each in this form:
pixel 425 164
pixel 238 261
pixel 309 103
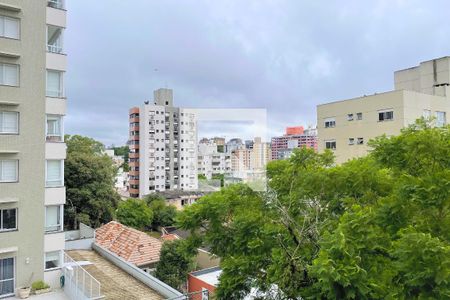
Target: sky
pixel 285 56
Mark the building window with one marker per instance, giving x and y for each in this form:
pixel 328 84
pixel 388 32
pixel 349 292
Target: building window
pixel 330 122
pixel 55 84
pixel 7 276
pixel 9 74
pixel 426 114
pixel 9 122
pixel 360 141
pixel 53 218
pixel 351 141
pixel 8 219
pixel 52 260
pixel 359 116
pixel 9 27
pixel 59 4
pixel 9 170
pixel 54 39
pixel 385 115
pixel 330 145
pixel 349 117
pixel 440 118
pixel 54 128
pixel 54 175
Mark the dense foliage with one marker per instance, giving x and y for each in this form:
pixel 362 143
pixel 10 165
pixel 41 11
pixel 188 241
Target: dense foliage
pixel 89 179
pixel 123 151
pixel 134 213
pixel 377 227
pixel 174 265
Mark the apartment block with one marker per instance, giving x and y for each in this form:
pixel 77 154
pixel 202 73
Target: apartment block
pixel 249 161
pixel 346 126
pixel 32 149
pixel 212 162
pixel 295 137
pixel 163 146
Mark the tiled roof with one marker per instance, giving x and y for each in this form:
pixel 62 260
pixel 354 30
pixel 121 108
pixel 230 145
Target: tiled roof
pixel 133 245
pixel 169 237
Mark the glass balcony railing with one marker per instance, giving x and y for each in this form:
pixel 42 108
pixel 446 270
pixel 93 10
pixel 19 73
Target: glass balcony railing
pixel 59 4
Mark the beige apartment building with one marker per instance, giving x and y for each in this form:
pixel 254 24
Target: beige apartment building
pixel 32 148
pixel 422 91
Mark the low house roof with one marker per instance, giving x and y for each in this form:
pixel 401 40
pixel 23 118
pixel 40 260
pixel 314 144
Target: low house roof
pixel 133 245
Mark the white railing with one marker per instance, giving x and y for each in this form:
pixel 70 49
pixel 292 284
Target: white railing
pixel 78 283
pixel 54 49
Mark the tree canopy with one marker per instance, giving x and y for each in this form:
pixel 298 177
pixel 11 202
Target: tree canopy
pixel 89 179
pixel 376 227
pixel 134 213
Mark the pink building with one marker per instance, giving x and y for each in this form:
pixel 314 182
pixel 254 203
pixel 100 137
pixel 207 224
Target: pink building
pixel 295 137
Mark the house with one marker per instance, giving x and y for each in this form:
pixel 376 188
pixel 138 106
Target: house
pixel 132 245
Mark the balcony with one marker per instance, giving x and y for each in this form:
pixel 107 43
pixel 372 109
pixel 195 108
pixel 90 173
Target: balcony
pixel 54 39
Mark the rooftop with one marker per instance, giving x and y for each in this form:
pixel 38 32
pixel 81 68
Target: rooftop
pixel 116 284
pixel 132 245
pixel 209 276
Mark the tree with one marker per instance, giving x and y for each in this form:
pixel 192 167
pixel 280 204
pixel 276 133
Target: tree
pixel 163 214
pixel 372 228
pixel 89 179
pixel 123 151
pixel 174 265
pixel 134 213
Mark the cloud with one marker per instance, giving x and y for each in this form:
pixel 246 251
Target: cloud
pixel 286 56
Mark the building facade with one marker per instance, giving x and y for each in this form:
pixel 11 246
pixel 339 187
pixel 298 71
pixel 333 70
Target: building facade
pixel 249 161
pixel 163 146
pixel 32 148
pixel 212 162
pixel 295 137
pixel 346 126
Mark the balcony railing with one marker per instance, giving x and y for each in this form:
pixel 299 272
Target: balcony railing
pixel 79 284
pixel 59 4
pixel 54 49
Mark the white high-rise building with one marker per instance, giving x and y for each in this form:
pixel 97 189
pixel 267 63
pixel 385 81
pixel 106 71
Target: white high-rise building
pixel 163 146
pixel 212 162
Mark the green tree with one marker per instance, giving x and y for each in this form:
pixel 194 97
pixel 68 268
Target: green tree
pixel 373 228
pixel 163 214
pixel 174 265
pixel 123 151
pixel 89 179
pixel 134 213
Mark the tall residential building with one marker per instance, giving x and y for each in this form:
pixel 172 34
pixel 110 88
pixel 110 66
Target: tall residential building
pixel 32 148
pixel 422 91
pixel 163 146
pixel 295 137
pixel 211 161
pixel 251 162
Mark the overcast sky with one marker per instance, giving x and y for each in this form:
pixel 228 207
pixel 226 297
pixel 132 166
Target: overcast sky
pixel 284 56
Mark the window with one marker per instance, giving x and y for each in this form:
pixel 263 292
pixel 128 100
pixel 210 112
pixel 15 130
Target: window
pixel 9 27
pixel 54 176
pixel 54 39
pixel 54 128
pixel 360 141
pixel 330 122
pixel 52 260
pixel 9 170
pixel 7 279
pixel 351 141
pixel 349 117
pixel 9 74
pixel 54 83
pixel 8 219
pixel 330 145
pixel 359 116
pixel 53 218
pixel 59 4
pixel 385 115
pixel 440 118
pixel 9 122
pixel 426 114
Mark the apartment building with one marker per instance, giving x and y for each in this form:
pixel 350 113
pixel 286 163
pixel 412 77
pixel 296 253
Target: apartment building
pixel 346 126
pixel 163 146
pixel 294 137
pixel 32 148
pixel 212 162
pixel 250 161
